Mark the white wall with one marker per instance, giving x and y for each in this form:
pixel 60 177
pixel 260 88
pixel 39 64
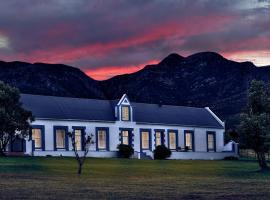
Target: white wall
pixel 95 154
pixel 201 155
pixel 199 135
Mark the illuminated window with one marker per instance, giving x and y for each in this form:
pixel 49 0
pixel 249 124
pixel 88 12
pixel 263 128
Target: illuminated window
pixel 36 136
pixel 125 113
pixel 78 139
pixel 172 140
pixel 101 139
pixel 125 137
pixel 158 138
pixel 211 143
pixel 145 137
pixel 60 138
pixel 189 140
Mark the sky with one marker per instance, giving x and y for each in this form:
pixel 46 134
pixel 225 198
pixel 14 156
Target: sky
pixel 105 38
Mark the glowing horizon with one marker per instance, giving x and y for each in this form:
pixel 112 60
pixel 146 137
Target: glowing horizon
pixel 105 39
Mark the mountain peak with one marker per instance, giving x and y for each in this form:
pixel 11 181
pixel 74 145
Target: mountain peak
pixel 172 59
pixel 206 56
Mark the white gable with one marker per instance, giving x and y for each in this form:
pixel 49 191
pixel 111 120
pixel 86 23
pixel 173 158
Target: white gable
pixel 124 100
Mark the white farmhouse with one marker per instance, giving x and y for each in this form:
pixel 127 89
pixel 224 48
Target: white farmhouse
pixel 190 133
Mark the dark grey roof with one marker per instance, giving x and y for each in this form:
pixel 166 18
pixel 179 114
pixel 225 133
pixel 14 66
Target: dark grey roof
pixel 168 114
pixel 50 107
pixel 68 108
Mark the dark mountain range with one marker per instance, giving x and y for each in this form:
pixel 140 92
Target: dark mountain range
pixel 49 79
pixel 202 79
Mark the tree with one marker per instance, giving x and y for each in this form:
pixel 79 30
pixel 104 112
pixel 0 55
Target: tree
pixel 81 156
pixel 14 119
pixel 255 123
pixel 232 134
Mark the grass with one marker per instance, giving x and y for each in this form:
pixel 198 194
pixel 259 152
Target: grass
pixel 56 178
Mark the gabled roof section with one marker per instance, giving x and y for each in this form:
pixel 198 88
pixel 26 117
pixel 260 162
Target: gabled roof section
pixel 174 115
pixel 215 116
pixel 50 107
pixel 124 100
pixel 65 108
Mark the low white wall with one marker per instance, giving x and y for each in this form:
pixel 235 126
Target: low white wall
pixel 231 146
pixel 100 154
pixel 201 155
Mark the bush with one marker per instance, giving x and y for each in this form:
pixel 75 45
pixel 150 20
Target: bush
pixel 162 152
pixel 125 151
pixel 231 158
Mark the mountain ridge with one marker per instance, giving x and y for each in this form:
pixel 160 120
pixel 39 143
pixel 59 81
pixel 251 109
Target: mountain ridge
pixel 49 79
pixel 194 77
pixel 204 79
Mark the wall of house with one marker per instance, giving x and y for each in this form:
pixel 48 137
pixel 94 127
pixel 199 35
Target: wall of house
pixel 200 135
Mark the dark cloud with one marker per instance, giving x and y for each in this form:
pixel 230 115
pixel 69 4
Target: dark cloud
pixel 97 34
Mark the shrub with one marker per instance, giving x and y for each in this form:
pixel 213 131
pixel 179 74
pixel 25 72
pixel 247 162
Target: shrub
pixel 162 152
pixel 231 158
pixel 125 151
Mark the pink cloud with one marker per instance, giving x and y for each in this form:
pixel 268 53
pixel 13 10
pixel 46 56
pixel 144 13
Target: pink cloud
pixel 106 72
pixel 173 29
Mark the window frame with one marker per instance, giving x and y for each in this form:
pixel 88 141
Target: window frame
pixel 82 129
pixel 191 132
pixel 107 140
pixel 129 115
pixel 66 139
pixel 162 138
pixel 127 137
pixel 214 141
pixel 176 138
pixel 149 139
pixel 42 128
pixel 130 135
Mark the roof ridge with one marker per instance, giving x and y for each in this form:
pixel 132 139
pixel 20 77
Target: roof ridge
pixel 64 108
pixel 111 100
pixel 167 105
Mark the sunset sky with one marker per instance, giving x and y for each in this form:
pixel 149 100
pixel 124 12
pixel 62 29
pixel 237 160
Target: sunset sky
pixel 105 38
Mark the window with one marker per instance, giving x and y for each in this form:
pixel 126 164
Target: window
pixel 36 136
pixel 145 139
pixel 60 138
pixel 158 138
pixel 78 139
pixel 211 141
pixel 189 140
pixel 101 139
pixel 172 140
pixel 159 134
pixel 125 113
pixel 125 137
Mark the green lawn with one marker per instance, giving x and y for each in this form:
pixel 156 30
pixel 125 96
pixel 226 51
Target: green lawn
pixel 56 178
